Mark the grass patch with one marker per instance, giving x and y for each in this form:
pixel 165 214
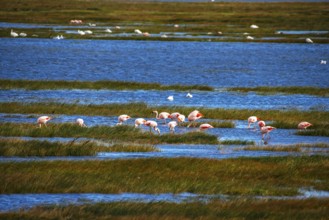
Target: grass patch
pixel 314 132
pixel 97 85
pixel 237 142
pixel 236 209
pixel 288 90
pixel 287 148
pixel 22 148
pixel 115 134
pixel 277 176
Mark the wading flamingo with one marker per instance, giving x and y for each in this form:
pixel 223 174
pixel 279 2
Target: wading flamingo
pixel 152 124
pixel 43 120
pixel 81 122
pixel 172 126
pixel 204 127
pixel 170 98
pixel 309 40
pixel 304 125
pixel 189 95
pixel 193 116
pixel 13 34
pixel 122 118
pixel 261 124
pixel 162 115
pixel 252 120
pixel 139 122
pixel 265 131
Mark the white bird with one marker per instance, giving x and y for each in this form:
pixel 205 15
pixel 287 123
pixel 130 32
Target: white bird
pixel 13 34
pixel 162 115
pixel 323 62
pixel 122 118
pixel 81 122
pixel 81 32
pixel 309 40
pixel 253 26
pixel 205 127
pixel 189 95
pixel 172 126
pixel 139 122
pixel 250 38
pixel 252 120
pixel 176 26
pixel 117 27
pixel 92 25
pixel 181 118
pixel 22 34
pixel 137 31
pixel 164 36
pixel 108 30
pixel 88 32
pixel 170 98
pixel 304 125
pixel 193 116
pixel 43 120
pixel 152 124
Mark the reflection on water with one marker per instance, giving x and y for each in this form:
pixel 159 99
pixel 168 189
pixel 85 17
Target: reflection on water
pixel 14 202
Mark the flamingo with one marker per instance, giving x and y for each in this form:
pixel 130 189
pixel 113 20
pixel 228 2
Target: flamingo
pixel 172 126
pixel 174 115
pixel 253 26
pixel 137 31
pixel 139 122
pixel 152 124
pixel 43 120
pixel 252 120
pixel 250 38
pixel 13 34
pixel 309 40
pixel 108 30
pixel 204 127
pixel 22 34
pixel 181 118
pixel 265 130
pixel 122 118
pixel 261 124
pixel 170 98
pixel 81 122
pixel 193 116
pixel 162 115
pixel 304 125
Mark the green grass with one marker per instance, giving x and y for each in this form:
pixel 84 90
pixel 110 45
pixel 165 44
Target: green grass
pixel 202 17
pixel 22 148
pixel 216 209
pixel 126 134
pixel 288 90
pixel 277 176
pixel 288 148
pixel 97 85
pixel 237 142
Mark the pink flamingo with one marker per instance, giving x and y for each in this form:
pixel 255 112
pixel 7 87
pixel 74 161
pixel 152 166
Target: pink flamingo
pixel 80 122
pixel 261 124
pixel 139 122
pixel 152 124
pixel 304 125
pixel 122 118
pixel 172 126
pixel 162 115
pixel 252 120
pixel 265 131
pixel 204 127
pixel 43 120
pixel 193 116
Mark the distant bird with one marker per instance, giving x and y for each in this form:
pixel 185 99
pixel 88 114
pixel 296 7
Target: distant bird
pixel 146 34
pixel 92 25
pixel 162 115
pixel 22 34
pixel 309 40
pixel 139 122
pixel 193 116
pixel 261 124
pixel 181 118
pixel 117 27
pixel 323 62
pixel 137 31
pixel 219 32
pixel 265 131
pixel 152 124
pixel 304 125
pixel 164 36
pixel 170 98
pixel 108 30
pixel 81 122
pixel 43 120
pixel 253 26
pixel 174 115
pixel 176 26
pixel 13 34
pixel 172 126
pixel 189 95
pixel 250 38
pixel 122 118
pixel 205 127
pixel 88 32
pixel 252 120
pixel 81 32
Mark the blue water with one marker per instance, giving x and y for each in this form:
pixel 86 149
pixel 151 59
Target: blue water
pixel 205 63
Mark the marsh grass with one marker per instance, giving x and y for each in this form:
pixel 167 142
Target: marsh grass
pixel 314 132
pixel 237 142
pixel 288 90
pixel 288 148
pixel 215 209
pixel 113 134
pixel 96 85
pixel 277 176
pixel 22 148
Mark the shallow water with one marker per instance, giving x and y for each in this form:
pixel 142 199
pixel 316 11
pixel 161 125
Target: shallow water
pixel 217 99
pixel 205 63
pixel 14 202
